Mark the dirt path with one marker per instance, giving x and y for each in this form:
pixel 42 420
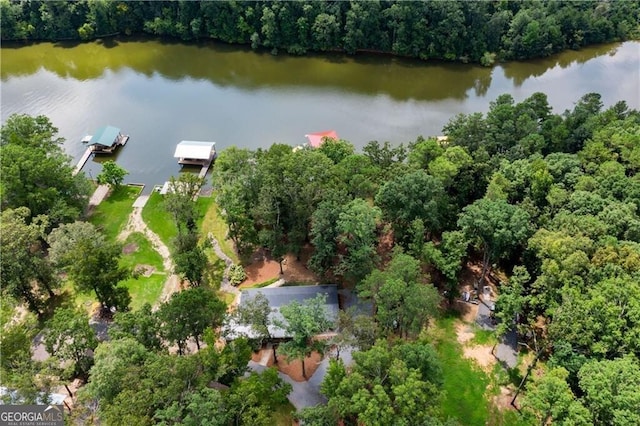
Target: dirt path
pixel 136 224
pixel 225 285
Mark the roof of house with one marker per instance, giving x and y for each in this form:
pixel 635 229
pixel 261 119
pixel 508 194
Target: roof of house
pixel 281 296
pixel 316 139
pixel 194 149
pixel 105 136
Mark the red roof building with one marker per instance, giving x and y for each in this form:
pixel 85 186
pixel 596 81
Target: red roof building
pixel 316 139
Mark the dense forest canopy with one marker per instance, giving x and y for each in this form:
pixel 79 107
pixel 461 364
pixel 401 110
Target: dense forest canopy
pixel 551 199
pixel 478 31
pixel 544 204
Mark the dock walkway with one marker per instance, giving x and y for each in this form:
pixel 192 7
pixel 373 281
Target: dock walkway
pixel 83 160
pixel 205 169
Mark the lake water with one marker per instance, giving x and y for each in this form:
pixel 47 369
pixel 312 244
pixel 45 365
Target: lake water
pixel 162 93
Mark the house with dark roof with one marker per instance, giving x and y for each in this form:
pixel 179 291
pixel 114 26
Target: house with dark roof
pixel 281 296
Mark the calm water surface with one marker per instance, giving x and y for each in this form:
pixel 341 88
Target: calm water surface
pixel 161 93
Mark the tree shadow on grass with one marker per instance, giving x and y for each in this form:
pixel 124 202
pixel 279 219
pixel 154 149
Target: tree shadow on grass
pixel 64 299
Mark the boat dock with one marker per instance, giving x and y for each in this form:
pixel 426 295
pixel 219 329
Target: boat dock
pixel 83 160
pixel 205 169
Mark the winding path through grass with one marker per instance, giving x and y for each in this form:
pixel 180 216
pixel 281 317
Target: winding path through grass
pixel 135 223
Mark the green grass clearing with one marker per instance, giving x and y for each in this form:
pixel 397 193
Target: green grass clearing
pixel 160 221
pixel 264 283
pixel 465 384
pixel 158 218
pixel 213 222
pixel 111 215
pixel 143 253
pixel 227 298
pixel 483 337
pixel 143 289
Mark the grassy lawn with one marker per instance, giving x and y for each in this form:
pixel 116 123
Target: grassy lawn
pixel 465 384
pixel 143 289
pixel 484 337
pixel 227 298
pixel 158 218
pixel 264 283
pixel 111 215
pixel 212 222
pixel 144 253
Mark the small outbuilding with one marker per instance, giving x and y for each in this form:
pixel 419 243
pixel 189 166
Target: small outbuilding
pixel 195 152
pixel 106 139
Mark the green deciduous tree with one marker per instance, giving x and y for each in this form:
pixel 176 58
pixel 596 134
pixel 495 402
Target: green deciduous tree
pixel 111 174
pixel 69 337
pixel 143 325
pixel 115 362
pixel 63 240
pixel 386 386
pixel 611 390
pixel 603 320
pixel 549 399
pixel 447 257
pixel 25 272
pixel 253 399
pixel 356 228
pixel 415 195
pixel 512 300
pixel 188 314
pixel 180 200
pixel 336 149
pixel 403 303
pixel 97 269
pixel 191 265
pixel 199 408
pixel 256 312
pixel 496 227
pixel 36 173
pixel 303 321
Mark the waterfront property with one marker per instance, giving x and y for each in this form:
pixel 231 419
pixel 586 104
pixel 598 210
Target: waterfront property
pixel 106 139
pixel 281 296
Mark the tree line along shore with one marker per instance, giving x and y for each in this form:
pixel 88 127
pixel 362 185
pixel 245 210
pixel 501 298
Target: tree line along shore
pixel 479 32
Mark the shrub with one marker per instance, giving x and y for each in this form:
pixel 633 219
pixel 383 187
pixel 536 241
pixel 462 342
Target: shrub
pixel 236 274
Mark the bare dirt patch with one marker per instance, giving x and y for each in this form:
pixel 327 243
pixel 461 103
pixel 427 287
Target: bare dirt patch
pixel 263 268
pixel 468 311
pixel 479 353
pixel 464 333
pixel 130 248
pixel 504 398
pixel 292 369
